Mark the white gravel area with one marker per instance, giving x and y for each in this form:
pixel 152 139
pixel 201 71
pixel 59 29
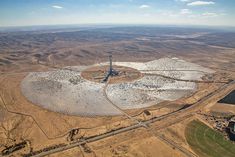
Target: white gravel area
pixel 67 92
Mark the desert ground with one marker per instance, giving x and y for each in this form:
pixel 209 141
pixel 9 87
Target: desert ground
pixel 52 101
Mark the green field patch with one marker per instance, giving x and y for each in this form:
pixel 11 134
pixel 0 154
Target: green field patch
pixel 207 142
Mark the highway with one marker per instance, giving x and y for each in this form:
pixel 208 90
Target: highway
pixel 159 122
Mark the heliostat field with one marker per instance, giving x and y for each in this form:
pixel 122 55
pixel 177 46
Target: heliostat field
pixel 67 91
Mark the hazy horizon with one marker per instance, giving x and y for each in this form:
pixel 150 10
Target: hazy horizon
pixel 117 12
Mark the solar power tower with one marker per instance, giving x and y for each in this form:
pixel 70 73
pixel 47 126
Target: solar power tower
pixel 111 72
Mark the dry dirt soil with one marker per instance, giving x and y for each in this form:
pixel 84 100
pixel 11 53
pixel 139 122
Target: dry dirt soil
pixel 24 52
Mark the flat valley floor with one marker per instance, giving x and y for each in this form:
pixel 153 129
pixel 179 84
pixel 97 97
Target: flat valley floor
pixel 160 128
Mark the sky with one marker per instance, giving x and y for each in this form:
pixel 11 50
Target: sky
pixel 172 12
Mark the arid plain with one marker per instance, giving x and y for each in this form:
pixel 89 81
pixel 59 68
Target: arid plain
pixel 160 127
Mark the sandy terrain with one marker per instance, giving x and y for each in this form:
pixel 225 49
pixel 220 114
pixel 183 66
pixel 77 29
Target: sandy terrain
pixel 25 54
pixel 224 108
pixel 138 143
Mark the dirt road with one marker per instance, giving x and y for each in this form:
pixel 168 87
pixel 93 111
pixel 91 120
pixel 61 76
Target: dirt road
pixel 158 122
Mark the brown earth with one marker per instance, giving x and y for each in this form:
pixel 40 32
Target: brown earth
pixel 98 73
pixel 21 120
pixel 224 108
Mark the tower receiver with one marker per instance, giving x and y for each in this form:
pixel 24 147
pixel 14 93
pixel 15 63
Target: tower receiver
pixel 111 72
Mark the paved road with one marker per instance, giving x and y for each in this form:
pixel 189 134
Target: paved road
pixel 163 121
